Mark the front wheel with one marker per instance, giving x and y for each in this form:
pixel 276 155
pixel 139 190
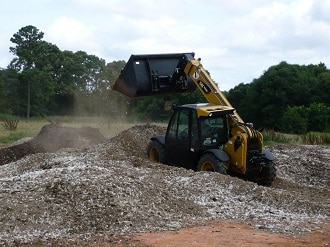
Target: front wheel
pixel 267 174
pixel 209 162
pixel 156 151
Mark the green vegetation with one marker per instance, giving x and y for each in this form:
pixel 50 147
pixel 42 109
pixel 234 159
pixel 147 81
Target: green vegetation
pixel 12 137
pixel 42 80
pixel 288 98
pixel 25 128
pixel 315 138
pixel 9 122
pixel 312 138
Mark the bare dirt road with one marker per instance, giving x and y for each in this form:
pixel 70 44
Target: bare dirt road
pixel 72 187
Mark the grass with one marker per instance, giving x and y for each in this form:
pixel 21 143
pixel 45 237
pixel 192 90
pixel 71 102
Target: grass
pixel 24 129
pixel 312 138
pixel 316 138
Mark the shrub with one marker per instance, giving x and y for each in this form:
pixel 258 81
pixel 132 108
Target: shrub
pixel 314 138
pixel 270 136
pixel 10 124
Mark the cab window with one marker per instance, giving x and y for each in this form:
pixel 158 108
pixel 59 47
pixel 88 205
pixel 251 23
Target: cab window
pixel 179 126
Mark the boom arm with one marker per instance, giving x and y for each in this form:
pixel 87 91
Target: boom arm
pixel 195 70
pixel 206 85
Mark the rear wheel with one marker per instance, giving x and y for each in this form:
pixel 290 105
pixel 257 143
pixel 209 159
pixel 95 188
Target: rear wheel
pixel 156 151
pixel 209 162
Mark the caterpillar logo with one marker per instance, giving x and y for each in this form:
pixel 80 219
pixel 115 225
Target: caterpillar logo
pixel 205 88
pixel 195 75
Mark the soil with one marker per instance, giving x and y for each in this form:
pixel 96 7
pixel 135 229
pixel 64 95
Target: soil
pixel 73 187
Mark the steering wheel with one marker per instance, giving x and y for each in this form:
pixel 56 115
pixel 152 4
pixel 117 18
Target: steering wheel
pixel 184 133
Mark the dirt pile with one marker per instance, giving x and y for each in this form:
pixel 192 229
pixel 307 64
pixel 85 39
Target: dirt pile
pixel 50 139
pixel 74 195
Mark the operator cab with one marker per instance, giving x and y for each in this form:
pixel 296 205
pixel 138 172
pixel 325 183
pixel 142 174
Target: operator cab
pixel 213 131
pixel 194 128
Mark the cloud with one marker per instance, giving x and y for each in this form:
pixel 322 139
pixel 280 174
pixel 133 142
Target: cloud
pixel 237 40
pixel 70 33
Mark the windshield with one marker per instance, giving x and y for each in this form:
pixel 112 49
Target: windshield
pixel 213 131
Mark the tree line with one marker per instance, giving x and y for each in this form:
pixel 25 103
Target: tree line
pixel 287 97
pixel 42 80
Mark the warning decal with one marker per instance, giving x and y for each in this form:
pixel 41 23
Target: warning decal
pixel 205 88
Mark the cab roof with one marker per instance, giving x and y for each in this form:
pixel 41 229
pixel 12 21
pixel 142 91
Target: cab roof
pixel 207 109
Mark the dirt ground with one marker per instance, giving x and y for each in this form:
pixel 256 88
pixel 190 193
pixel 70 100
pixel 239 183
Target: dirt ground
pixel 73 187
pixel 228 233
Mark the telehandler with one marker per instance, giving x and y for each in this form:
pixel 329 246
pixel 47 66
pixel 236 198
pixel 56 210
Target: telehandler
pixel 202 136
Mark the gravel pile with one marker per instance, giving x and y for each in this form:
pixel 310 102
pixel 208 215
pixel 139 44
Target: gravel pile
pixel 112 188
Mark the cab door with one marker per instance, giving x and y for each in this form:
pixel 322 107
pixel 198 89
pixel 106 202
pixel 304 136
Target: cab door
pixel 180 137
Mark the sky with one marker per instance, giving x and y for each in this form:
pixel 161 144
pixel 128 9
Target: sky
pixel 237 40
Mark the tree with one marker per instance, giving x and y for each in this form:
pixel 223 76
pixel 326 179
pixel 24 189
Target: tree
pixel 235 97
pixel 295 120
pixel 301 119
pixel 265 100
pixel 92 68
pixel 2 90
pixel 40 64
pixel 10 92
pixel 319 117
pixel 42 91
pixel 321 87
pixel 93 85
pixel 116 104
pixel 27 40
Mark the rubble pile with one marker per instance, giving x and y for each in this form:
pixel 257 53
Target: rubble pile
pixel 109 187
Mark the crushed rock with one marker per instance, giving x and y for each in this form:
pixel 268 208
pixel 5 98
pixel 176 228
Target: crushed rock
pixel 112 188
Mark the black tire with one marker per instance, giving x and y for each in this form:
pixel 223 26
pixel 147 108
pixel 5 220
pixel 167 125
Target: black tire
pixel 267 174
pixel 156 152
pixel 209 162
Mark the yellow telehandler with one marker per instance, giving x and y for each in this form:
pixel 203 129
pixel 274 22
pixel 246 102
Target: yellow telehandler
pixel 203 136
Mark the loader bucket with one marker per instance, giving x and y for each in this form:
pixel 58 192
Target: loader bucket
pixel 154 74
